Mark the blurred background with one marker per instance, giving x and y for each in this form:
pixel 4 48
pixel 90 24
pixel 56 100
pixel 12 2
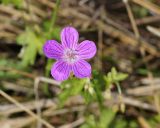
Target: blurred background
pixel 127 35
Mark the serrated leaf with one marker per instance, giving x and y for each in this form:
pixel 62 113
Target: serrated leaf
pixel 29 55
pixel 23 39
pixel 32 45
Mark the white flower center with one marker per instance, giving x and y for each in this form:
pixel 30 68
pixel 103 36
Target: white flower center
pixel 70 56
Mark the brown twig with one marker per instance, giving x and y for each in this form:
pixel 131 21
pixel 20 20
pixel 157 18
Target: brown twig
pixel 5 95
pixel 73 124
pixel 147 20
pixel 132 19
pixel 154 30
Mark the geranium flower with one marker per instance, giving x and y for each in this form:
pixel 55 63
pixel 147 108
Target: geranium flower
pixel 70 55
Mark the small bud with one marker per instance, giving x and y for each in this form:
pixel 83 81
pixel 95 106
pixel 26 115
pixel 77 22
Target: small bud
pixel 107 94
pixel 122 107
pixel 88 87
pixel 91 90
pixel 67 86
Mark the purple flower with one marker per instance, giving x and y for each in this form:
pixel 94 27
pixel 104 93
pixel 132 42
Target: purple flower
pixel 70 55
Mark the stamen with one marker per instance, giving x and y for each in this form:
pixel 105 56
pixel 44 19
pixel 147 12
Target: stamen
pixel 70 56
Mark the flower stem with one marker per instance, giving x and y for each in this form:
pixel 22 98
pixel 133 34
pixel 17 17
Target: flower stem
pixel 122 105
pixel 99 97
pixel 119 88
pixel 54 15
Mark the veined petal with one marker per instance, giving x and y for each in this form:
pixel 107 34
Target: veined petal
pixel 69 37
pixel 87 49
pixel 60 71
pixel 52 49
pixel 81 69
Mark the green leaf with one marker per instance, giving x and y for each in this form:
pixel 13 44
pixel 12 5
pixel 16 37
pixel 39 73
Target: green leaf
pixel 17 3
pixel 106 117
pixel 154 120
pixel 87 96
pixel 71 87
pixel 113 73
pixel 54 34
pixel 121 76
pixel 29 55
pixel 89 93
pixel 32 45
pixel 119 122
pixel 108 80
pixel 133 124
pixel 114 77
pixel 90 122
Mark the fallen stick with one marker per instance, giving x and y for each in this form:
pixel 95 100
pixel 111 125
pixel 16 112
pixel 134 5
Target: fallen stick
pixel 5 95
pixel 127 38
pixel 123 35
pixel 12 108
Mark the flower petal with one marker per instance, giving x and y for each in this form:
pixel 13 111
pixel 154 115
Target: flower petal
pixel 60 71
pixel 82 69
pixel 87 49
pixel 69 37
pixel 52 49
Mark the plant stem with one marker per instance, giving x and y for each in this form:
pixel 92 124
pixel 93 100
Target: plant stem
pixel 99 97
pixel 54 15
pixel 122 105
pixel 119 88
